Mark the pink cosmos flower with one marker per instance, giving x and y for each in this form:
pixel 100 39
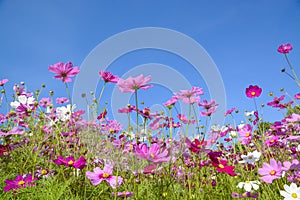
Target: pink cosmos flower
pixel 297 96
pixel 272 141
pixel 45 102
pixel 210 107
pixel 2 82
pixel 64 71
pixel 293 118
pixel 253 91
pixel 108 76
pixel 285 48
pixel 70 162
pixel 271 171
pixel 132 84
pixel 19 182
pixel 100 175
pixel 111 127
pixel 245 134
pixel 129 109
pixel 171 101
pixel 222 167
pixel 122 194
pixel 62 100
pixel 196 146
pixel 13 131
pixel 228 112
pixel 154 153
pixel 183 118
pixel 276 103
pixel 189 96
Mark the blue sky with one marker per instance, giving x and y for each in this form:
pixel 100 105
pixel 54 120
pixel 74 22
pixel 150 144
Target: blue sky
pixel 240 36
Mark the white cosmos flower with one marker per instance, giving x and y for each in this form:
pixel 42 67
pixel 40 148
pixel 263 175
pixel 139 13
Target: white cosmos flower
pixel 64 113
pixel 22 99
pixel 248 185
pixel 251 157
pixel 291 192
pixel 249 113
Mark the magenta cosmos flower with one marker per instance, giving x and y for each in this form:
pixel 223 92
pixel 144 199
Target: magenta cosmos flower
pixel 253 91
pixel 62 100
pixel 100 175
pixel 2 82
pixel 285 48
pixel 108 76
pixel 270 171
pixel 154 153
pixel 45 102
pixel 19 182
pixel 64 71
pixel 70 162
pixel 132 84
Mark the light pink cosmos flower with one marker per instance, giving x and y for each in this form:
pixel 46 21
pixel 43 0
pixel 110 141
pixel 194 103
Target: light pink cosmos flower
pixel 44 102
pixel 64 71
pixel 132 84
pixel 271 141
pixel 100 175
pixel 189 96
pixel 171 101
pixel 2 82
pixel 270 172
pixel 62 100
pixel 108 76
pixel 14 131
pixel 154 153
pixel 293 118
pixel 285 48
pixel 245 134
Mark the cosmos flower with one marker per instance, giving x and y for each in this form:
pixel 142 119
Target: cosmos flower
pixel 228 112
pixel 64 113
pixel 248 185
pixel 62 100
pixel 100 175
pixel 108 76
pixel 154 153
pixel 270 172
pixel 14 131
pixel 45 102
pixel 253 91
pixel 285 48
pixel 132 84
pixel 222 167
pixel 291 192
pixel 71 162
pixel 122 194
pixel 189 96
pixel 64 71
pixel 19 182
pixel 251 157
pixel 2 82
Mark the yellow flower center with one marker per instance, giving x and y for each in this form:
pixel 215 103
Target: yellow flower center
pixel 21 182
pixel 247 182
pixel 253 93
pixel 250 157
pixel 248 134
pixel 244 194
pixel 43 172
pixel 130 146
pixel 221 166
pixel 152 155
pixel 105 175
pixel 294 195
pixel 273 172
pixel 70 162
pixel 272 141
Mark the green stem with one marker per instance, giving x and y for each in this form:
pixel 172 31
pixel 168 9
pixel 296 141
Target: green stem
pixel 292 69
pixel 69 97
pixel 137 112
pixel 197 123
pixel 171 124
pixel 100 96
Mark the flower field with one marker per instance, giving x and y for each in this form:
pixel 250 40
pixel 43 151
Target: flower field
pixel 48 150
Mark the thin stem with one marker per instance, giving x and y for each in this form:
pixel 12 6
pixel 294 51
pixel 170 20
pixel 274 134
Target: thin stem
pixel 292 69
pixel 7 104
pixel 197 123
pixel 171 123
pixel 255 104
pixel 137 111
pixel 69 97
pixel 100 96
